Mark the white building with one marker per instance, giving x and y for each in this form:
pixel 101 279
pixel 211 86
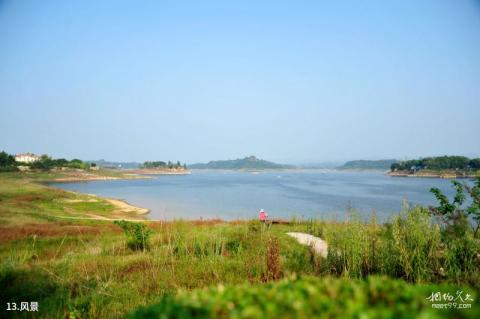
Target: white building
pixel 26 158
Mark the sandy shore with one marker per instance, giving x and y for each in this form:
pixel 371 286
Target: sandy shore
pixel 122 205
pixel 125 207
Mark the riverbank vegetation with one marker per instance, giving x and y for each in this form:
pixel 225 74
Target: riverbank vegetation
pixel 438 163
pixel 93 268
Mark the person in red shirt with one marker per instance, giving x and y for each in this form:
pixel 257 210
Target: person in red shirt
pixel 263 216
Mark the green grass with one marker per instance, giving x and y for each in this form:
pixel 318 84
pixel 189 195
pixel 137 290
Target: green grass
pixel 23 199
pixel 85 268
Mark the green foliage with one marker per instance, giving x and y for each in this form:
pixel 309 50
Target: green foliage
pixel 160 164
pixel 47 163
pixel 138 235
pixel 414 243
pixel 452 214
pixel 7 162
pixel 461 260
pixel 349 250
pixel 250 162
pixel 310 297
pixel 411 246
pixel 474 208
pixel 437 163
pixel 475 163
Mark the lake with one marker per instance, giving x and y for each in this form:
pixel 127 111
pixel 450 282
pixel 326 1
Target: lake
pixel 283 194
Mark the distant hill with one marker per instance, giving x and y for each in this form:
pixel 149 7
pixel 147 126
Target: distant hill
pixel 250 162
pixel 367 164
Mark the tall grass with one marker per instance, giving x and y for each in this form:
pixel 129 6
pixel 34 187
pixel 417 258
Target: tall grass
pixel 409 246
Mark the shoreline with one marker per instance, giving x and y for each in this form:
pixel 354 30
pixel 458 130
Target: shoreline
pixel 127 176
pixel 126 207
pixel 443 175
pixel 152 171
pixel 122 205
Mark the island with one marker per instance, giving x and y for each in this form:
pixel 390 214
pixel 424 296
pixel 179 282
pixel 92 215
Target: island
pixel 247 163
pixel 437 167
pixel 161 168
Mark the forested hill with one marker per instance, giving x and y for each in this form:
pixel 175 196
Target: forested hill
pixel 250 162
pixel 438 163
pixel 367 164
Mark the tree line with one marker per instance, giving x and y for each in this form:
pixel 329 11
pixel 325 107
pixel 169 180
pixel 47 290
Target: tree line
pixel 438 163
pixel 9 164
pixel 161 164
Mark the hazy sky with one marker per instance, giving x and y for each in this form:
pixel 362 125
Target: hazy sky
pixel 289 81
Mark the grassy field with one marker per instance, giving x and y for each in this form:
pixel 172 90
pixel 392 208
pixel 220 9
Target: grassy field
pixel 78 268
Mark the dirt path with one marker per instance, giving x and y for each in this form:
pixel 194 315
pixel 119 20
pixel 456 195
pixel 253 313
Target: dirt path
pixel 319 245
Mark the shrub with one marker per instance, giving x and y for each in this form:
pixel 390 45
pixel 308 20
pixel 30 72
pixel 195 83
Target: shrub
pixel 452 214
pixel 310 297
pixel 138 235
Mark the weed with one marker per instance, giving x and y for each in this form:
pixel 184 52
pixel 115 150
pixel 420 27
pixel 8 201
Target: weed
pixel 138 235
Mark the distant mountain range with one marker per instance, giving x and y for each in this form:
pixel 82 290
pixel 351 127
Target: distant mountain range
pixel 248 163
pixel 368 164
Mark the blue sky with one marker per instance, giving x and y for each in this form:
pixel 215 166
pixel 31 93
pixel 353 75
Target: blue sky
pixel 290 81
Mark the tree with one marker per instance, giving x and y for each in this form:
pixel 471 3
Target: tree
pixel 395 167
pixel 6 159
pixel 438 163
pixel 156 164
pixel 452 214
pixel 474 163
pixel 7 162
pixel 45 163
pixel 474 209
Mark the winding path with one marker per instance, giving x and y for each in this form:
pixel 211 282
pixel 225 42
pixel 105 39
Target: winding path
pixel 318 245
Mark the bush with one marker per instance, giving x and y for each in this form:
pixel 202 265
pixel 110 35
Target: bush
pixel 138 235
pixel 375 297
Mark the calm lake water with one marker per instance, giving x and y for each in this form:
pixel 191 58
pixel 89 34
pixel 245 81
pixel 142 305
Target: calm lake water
pixel 232 195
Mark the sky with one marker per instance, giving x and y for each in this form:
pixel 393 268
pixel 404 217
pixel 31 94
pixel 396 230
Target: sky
pixel 287 81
